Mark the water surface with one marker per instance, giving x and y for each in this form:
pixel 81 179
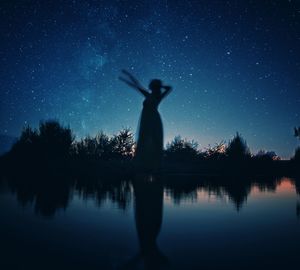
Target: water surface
pixel 176 222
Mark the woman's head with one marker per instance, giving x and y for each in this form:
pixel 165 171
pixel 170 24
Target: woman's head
pixel 155 86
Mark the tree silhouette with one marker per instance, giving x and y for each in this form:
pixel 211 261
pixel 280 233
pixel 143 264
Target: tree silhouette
pixel 51 140
pixel 54 139
pixel 123 143
pixel 297 151
pixel 104 145
pixel 237 148
pixel 27 142
pixel 87 148
pixel 55 144
pixel 297 132
pixel 297 154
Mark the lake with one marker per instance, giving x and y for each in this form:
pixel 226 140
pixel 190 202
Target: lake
pixel 151 222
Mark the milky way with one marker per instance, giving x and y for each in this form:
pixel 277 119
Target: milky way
pixel 234 66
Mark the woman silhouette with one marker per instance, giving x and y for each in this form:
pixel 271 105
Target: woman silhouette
pixel 148 155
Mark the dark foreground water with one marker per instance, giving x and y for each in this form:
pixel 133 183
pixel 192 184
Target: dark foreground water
pixel 149 223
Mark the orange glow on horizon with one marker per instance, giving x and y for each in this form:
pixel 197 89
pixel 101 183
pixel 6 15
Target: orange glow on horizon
pixel 284 185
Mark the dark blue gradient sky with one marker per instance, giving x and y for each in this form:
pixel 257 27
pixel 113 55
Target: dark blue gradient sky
pixel 234 66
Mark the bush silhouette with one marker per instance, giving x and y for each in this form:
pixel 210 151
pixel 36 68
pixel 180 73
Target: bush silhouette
pixel 216 152
pixel 237 148
pixel 103 147
pixel 263 155
pixel 51 141
pixel 87 148
pixel 181 149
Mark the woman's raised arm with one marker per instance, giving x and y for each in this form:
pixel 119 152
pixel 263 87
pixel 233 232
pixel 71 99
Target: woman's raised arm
pixel 134 83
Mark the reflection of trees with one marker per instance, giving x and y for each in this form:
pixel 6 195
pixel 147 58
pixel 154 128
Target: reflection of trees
pixel 297 185
pixel 238 193
pixel 113 187
pixel 50 189
pixel 237 189
pixel 181 187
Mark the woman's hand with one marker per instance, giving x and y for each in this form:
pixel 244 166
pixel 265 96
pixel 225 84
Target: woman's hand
pixel 167 91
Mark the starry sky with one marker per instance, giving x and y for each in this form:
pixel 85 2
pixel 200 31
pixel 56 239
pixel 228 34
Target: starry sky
pixel 233 65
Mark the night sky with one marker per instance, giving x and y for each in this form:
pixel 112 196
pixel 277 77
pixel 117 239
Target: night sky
pixel 234 66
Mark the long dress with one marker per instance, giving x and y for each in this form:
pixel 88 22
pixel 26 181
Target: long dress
pixel 150 137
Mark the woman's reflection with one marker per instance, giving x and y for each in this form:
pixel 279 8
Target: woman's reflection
pixel 148 193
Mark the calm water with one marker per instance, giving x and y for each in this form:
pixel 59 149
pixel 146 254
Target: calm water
pixel 150 225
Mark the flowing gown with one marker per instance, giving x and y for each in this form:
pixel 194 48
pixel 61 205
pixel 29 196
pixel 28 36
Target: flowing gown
pixel 150 137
